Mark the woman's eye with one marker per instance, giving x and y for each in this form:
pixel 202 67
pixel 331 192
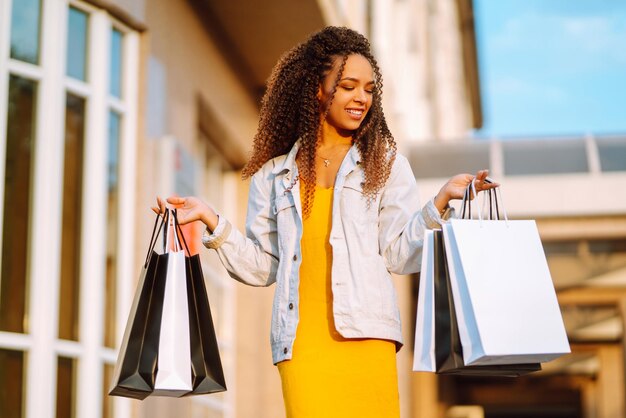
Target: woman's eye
pixel 347 88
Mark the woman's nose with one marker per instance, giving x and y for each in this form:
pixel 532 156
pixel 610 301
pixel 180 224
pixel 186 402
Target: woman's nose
pixel 360 96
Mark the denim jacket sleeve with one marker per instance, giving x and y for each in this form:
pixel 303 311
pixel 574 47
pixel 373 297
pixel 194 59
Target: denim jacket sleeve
pixel 402 221
pixel 252 258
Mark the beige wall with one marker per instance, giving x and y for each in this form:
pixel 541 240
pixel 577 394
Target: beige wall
pixel 179 62
pixel 418 44
pixel 193 64
pixel 186 62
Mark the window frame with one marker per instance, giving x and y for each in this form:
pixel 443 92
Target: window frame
pixel 41 345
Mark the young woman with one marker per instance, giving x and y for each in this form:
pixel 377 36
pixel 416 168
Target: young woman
pixel 333 209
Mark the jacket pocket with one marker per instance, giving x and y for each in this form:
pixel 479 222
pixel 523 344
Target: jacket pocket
pixel 354 204
pixel 284 210
pixel 281 203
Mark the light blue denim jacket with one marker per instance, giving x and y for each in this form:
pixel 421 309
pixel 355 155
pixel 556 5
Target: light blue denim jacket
pixel 368 242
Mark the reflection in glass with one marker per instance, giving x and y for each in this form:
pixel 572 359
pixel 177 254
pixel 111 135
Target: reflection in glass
pixel 112 226
pixel 17 191
pixel 77 44
pixel 25 27
pixel 12 383
pixel 72 216
pixel 116 63
pixel 66 387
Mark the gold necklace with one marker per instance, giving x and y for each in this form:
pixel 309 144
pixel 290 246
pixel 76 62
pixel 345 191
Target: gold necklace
pixel 327 161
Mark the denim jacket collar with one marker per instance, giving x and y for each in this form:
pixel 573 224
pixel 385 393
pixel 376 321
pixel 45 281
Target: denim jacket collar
pixel 289 162
pixel 353 158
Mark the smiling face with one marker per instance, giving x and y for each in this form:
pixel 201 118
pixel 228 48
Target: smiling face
pixel 353 96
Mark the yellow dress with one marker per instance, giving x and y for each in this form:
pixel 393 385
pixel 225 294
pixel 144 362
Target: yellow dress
pixel 330 376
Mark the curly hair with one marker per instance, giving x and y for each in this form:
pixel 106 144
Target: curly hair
pixel 290 110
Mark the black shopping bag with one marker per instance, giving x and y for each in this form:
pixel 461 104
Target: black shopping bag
pixel 206 366
pixel 136 367
pixel 448 349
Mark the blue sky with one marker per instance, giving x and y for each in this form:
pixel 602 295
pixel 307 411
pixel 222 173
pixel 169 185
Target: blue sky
pixel 552 67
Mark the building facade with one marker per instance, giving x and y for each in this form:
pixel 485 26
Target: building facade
pixel 105 104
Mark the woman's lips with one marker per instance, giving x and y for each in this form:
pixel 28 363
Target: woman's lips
pixel 355 114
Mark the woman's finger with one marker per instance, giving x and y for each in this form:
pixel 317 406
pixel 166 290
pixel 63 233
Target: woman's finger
pixel 483 185
pixel 159 208
pixel 176 200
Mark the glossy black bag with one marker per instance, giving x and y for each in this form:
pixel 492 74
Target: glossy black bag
pixel 136 367
pixel 207 373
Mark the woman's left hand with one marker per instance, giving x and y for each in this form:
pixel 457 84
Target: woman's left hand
pixel 455 188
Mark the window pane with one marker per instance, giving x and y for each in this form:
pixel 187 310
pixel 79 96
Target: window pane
pixel 77 44
pixel 12 383
pixel 612 152
pixel 112 225
pixel 72 209
pixel 445 160
pixel 116 63
pixel 107 401
pixel 544 157
pixel 25 26
pixel 185 174
pixel 17 190
pixel 66 387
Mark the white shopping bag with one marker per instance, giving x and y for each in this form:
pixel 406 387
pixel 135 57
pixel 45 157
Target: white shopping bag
pixel 174 359
pixel 506 305
pixel 424 353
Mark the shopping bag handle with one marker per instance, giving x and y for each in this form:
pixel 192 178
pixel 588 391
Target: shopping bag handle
pixel 494 197
pixel 172 225
pixel 493 202
pixel 180 231
pixel 155 235
pixel 163 226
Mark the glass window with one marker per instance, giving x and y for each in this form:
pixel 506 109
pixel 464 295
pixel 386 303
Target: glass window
pixel 445 160
pixel 185 174
pixel 612 153
pixel 17 191
pixel 72 209
pixel 66 387
pixel 77 44
pixel 112 226
pixel 545 157
pixel 25 27
pixel 116 63
pixel 12 383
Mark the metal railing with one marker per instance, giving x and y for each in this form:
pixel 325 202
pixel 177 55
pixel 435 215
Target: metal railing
pixel 520 157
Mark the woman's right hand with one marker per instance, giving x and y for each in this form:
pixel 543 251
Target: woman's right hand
pixel 189 209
